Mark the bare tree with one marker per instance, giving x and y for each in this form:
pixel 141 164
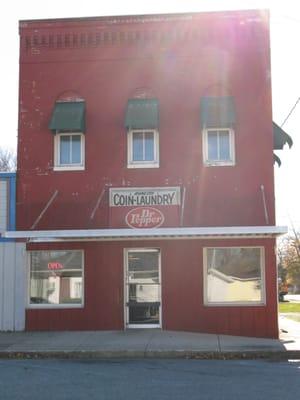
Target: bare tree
pixel 289 261
pixel 8 160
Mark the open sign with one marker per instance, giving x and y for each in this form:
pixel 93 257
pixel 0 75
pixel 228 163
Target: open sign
pixel 54 266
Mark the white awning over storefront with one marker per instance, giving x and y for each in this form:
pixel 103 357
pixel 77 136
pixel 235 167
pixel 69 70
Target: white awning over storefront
pixel 150 233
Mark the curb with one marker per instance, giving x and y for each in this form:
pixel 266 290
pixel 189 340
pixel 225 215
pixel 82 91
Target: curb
pixel 131 354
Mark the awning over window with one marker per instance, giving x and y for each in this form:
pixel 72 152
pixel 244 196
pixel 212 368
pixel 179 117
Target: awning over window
pixel 217 112
pixel 68 116
pixel 280 138
pixel 276 160
pixel 142 114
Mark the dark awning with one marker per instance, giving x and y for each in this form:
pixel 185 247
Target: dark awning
pixel 142 114
pixel 280 138
pixel 68 116
pixel 217 112
pixel 276 159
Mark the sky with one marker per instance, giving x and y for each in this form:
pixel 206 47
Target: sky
pixel 285 55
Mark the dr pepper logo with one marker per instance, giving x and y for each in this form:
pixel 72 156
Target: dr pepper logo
pixel 144 217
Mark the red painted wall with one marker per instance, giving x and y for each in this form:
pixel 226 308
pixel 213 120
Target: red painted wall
pixel 182 291
pixel 176 58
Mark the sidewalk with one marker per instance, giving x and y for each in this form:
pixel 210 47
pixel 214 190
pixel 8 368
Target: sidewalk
pixel 149 343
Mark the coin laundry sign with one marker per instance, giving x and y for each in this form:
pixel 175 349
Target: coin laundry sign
pixel 144 207
pixel 120 197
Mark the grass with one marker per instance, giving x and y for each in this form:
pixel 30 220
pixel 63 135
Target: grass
pixel 289 307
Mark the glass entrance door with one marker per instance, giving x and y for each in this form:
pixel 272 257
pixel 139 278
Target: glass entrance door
pixel 143 292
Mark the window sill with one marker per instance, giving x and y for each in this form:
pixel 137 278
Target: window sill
pixel 219 164
pixel 153 165
pixel 53 306
pixel 69 168
pixel 236 304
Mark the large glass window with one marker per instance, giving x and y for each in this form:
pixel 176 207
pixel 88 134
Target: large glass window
pixel 233 275
pixel 69 151
pixel 56 277
pixel 143 148
pixel 218 146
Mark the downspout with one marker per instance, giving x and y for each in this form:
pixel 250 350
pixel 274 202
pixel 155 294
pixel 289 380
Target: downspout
pixel 262 188
pixel 182 206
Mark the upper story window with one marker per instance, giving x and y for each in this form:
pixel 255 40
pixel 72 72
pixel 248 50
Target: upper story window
pixel 68 124
pixel 218 147
pixel 3 204
pixel 141 122
pixel 218 119
pixel 143 148
pixel 69 151
pixel 7 202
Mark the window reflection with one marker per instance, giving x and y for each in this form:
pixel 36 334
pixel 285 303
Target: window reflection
pixel 233 275
pixel 56 277
pixel 143 287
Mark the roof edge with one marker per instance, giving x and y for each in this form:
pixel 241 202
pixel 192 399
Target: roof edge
pixel 130 18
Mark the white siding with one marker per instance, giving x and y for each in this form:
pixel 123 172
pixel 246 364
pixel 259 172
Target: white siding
pixel 12 286
pixel 3 205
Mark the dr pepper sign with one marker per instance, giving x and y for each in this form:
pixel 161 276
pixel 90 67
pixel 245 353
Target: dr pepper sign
pixel 144 207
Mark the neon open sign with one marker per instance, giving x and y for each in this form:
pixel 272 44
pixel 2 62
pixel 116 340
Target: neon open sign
pixel 54 266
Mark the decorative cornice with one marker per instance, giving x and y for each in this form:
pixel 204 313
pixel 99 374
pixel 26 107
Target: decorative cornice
pixel 96 39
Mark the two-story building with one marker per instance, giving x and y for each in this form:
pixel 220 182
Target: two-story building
pixel 145 185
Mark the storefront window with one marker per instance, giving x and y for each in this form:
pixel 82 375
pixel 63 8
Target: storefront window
pixel 234 275
pixel 56 277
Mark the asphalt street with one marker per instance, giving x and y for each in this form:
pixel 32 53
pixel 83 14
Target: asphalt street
pixel 148 379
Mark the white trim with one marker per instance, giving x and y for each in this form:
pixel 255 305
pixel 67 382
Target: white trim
pixel 126 287
pixel 143 326
pixel 142 164
pixel 68 167
pixel 33 306
pixel 262 302
pixel 216 163
pixel 78 168
pixel 149 233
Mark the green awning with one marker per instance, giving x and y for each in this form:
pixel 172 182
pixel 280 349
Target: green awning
pixel 68 116
pixel 142 114
pixel 217 112
pixel 276 160
pixel 280 138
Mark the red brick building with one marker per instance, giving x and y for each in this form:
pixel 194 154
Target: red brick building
pixel 145 173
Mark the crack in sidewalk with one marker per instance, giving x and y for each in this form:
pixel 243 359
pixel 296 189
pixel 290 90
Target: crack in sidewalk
pixel 148 343
pixel 219 344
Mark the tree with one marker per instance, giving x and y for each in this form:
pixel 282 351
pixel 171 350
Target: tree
pixel 8 160
pixel 289 261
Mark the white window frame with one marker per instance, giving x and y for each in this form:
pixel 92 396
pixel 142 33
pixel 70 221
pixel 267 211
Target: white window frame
pixel 235 303
pixel 53 306
pixel 68 167
pixel 142 164
pixel 126 251
pixel 215 163
pixel 4 204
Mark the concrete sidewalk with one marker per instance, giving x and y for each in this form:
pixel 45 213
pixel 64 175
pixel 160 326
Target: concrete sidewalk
pixel 151 343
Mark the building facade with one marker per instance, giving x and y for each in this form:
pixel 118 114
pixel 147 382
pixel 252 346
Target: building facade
pixel 145 173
